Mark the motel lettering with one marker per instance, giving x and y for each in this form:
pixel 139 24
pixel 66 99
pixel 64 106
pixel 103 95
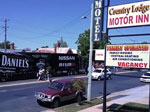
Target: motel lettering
pixel 132 65
pixel 129 15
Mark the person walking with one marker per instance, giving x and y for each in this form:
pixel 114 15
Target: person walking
pixel 49 75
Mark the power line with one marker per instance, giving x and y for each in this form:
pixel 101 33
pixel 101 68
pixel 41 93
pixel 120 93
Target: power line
pixel 69 24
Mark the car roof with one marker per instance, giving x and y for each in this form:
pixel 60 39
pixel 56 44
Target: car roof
pixel 66 80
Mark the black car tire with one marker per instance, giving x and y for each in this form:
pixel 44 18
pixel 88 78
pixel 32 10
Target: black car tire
pixel 40 102
pixel 55 103
pixel 99 78
pixel 109 77
pixel 79 98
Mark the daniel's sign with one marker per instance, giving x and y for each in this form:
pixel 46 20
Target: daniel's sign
pixel 133 14
pixel 132 56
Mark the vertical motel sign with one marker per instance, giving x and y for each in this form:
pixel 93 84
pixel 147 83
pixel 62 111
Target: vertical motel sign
pixel 97 20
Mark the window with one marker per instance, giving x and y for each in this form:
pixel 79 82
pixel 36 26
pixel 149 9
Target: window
pixel 98 71
pixel 68 85
pixel 57 86
pixel 147 74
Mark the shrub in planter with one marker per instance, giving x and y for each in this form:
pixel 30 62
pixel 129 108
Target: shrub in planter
pixel 79 85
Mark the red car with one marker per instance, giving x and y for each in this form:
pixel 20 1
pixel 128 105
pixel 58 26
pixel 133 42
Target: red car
pixel 60 91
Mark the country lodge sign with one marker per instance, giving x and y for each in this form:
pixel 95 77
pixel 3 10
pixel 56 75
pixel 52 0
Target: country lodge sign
pixel 134 14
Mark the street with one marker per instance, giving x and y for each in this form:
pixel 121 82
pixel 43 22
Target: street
pixel 20 98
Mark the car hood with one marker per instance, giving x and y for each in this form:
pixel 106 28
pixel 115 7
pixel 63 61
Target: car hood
pixel 95 73
pixel 50 91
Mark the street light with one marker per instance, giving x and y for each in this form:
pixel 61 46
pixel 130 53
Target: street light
pixel 84 17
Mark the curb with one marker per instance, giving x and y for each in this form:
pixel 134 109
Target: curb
pixel 34 81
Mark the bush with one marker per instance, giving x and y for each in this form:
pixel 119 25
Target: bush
pixel 79 84
pixel 48 69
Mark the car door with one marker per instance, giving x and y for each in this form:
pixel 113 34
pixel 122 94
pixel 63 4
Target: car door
pixel 67 92
pixel 107 73
pixel 102 74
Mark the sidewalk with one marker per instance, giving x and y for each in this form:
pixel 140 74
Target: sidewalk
pixel 33 81
pixel 137 95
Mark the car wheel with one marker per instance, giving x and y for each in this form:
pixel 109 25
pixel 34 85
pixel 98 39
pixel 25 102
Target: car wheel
pixel 40 102
pixel 110 77
pixel 79 98
pixel 55 103
pixel 99 78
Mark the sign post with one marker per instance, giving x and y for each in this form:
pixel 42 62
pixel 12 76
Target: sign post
pixel 95 35
pixel 90 57
pixel 125 16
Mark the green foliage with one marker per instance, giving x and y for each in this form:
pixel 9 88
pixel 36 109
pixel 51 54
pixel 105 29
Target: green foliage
pixel 130 107
pixel 79 84
pixel 83 44
pixel 73 107
pixel 44 47
pixel 48 69
pixel 3 44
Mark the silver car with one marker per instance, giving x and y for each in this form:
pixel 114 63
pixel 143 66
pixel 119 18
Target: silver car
pixel 145 77
pixel 99 74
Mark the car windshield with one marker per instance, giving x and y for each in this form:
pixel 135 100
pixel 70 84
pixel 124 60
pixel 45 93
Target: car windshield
pixel 147 74
pixel 98 71
pixel 56 86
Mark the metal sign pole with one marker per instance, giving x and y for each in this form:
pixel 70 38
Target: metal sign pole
pixel 149 98
pixel 105 82
pixel 90 56
pixel 105 86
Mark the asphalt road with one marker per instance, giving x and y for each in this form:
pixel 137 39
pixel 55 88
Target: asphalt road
pixel 20 98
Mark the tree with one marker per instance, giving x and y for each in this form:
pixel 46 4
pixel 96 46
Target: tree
pixel 145 42
pixel 83 44
pixel 27 49
pixel 2 45
pixel 44 47
pixel 61 43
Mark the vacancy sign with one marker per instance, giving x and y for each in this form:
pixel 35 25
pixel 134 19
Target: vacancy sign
pixel 99 54
pixel 132 56
pixel 134 14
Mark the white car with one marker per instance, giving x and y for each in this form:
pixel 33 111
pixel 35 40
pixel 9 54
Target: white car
pixel 99 74
pixel 145 77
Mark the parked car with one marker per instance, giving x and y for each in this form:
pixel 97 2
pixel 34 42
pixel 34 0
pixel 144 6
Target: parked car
pixel 99 74
pixel 60 91
pixel 145 77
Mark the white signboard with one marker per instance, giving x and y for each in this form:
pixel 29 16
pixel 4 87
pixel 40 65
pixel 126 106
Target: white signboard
pixel 132 56
pixel 133 14
pixel 99 54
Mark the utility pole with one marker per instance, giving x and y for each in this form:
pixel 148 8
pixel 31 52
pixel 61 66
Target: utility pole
pixel 5 28
pixel 90 55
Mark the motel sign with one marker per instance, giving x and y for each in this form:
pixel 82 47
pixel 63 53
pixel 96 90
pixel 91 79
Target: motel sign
pixel 97 21
pixel 134 14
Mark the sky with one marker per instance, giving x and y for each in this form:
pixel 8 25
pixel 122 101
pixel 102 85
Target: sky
pixel 36 23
